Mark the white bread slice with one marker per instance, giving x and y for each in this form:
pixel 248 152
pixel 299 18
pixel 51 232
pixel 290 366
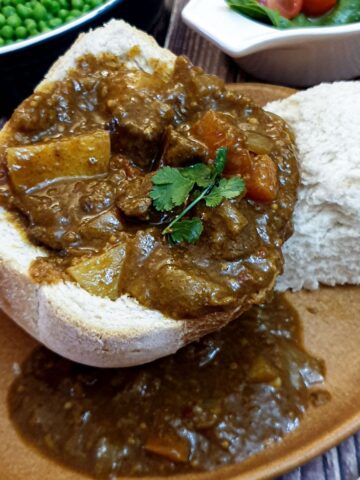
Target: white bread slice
pixel 325 246
pixel 66 318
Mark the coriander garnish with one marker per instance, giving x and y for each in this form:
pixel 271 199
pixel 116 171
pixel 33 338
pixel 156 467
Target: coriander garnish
pixel 173 186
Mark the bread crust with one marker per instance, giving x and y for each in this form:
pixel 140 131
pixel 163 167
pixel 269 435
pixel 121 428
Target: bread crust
pixel 64 317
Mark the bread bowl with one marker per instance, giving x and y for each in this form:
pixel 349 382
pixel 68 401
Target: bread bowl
pixel 88 328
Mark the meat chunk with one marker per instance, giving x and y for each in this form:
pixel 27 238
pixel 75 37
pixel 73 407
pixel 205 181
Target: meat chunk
pixel 182 149
pixel 167 283
pixel 133 197
pixel 230 233
pixel 72 214
pixel 139 118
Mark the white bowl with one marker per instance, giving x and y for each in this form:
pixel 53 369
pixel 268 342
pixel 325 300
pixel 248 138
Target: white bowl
pixel 299 56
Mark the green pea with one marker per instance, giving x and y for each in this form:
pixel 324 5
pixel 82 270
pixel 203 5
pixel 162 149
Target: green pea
pixel 63 14
pixel 46 3
pixel 42 24
pixel 75 13
pixel 9 41
pixel 39 11
pixel 70 18
pixel 86 8
pixel 45 30
pixel 7 32
pixel 51 6
pixel 7 2
pixel 14 21
pixel 55 7
pixel 55 22
pixel 77 4
pixel 64 4
pixel 29 23
pixel 8 10
pixel 21 32
pixel 23 11
pixel 95 3
pixel 2 42
pixel 33 32
pixel 2 20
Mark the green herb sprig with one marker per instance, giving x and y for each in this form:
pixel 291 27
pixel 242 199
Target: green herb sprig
pixel 253 9
pixel 172 188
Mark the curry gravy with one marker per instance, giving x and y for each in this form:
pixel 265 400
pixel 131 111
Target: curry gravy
pixel 214 403
pixel 94 215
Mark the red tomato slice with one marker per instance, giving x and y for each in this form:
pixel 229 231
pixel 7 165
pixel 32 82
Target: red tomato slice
pixel 315 8
pixel 287 8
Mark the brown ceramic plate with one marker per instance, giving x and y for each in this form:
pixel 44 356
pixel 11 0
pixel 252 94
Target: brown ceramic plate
pixel 331 321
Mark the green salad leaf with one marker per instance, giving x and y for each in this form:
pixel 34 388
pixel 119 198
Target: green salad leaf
pixel 253 9
pixel 345 12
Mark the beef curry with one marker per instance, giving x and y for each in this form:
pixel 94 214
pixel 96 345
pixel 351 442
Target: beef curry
pixel 79 167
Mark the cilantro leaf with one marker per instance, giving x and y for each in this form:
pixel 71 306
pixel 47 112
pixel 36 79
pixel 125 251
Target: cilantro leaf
pixel 220 160
pixel 200 173
pixel 186 231
pixel 170 189
pixel 227 188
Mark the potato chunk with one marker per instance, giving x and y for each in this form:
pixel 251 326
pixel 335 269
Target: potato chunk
pixel 100 274
pixel 78 155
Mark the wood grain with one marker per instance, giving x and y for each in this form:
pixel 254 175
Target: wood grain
pixel 331 323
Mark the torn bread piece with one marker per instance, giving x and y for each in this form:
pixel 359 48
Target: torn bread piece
pixel 325 245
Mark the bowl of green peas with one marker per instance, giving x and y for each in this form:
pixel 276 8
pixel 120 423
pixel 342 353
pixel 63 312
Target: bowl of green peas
pixel 23 23
pixel 34 33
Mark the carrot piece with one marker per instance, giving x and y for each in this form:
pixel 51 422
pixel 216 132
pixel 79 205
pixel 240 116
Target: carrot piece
pixel 215 131
pixel 174 448
pixel 262 185
pixel 259 171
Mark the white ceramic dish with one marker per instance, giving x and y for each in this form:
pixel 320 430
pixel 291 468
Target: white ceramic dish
pixel 299 57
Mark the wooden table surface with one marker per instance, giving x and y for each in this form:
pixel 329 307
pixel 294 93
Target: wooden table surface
pixel 342 462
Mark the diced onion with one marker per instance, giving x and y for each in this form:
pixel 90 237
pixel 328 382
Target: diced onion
pixel 257 143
